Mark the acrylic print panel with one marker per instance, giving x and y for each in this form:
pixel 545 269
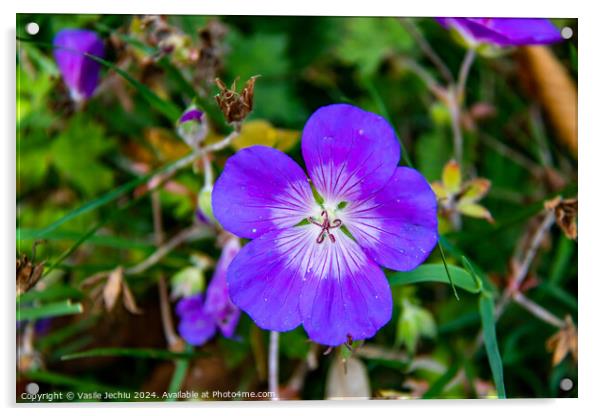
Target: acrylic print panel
pixel 295 208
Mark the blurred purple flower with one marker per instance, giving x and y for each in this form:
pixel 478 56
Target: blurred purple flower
pixel 315 260
pixel 80 73
pixel 503 31
pixel 200 320
pixel 193 114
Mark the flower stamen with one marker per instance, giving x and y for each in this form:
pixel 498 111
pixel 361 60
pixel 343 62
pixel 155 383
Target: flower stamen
pixel 325 227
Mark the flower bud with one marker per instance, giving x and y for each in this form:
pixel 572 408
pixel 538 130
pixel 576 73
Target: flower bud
pixel 192 127
pixel 80 73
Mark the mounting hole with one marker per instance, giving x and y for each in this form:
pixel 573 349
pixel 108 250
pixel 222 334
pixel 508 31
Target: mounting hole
pixel 566 384
pixel 566 32
pixel 32 388
pixel 32 28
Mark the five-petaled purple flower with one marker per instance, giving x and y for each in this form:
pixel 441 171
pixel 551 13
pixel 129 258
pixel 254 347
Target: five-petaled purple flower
pixel 200 320
pixel 80 73
pixel 315 254
pixel 503 31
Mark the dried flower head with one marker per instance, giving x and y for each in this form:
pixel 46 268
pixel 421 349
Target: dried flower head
pixel 235 106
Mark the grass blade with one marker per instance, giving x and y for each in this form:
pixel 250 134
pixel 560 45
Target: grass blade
pixel 168 109
pixel 108 197
pixel 487 311
pixel 180 370
pixel 48 311
pixel 449 277
pixel 53 293
pixel 146 353
pixel 436 273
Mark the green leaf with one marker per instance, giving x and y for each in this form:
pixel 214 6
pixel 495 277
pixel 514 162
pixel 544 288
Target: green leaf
pixel 48 310
pixel 75 153
pixel 104 199
pixel 487 311
pixel 146 353
pixel 260 54
pixel 366 41
pixel 414 322
pixel 436 273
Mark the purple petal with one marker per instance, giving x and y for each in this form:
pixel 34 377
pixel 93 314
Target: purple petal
pixel 505 31
pixel 396 227
pixel 349 152
pixel 218 303
pixel 266 277
pixel 345 294
pixel 193 114
pixel 261 189
pixel 80 73
pixel 196 326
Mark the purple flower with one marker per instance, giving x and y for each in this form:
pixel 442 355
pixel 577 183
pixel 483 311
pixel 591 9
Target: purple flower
pixel 314 260
pixel 192 127
pixel 196 325
pixel 80 73
pixel 218 303
pixel 200 320
pixel 503 31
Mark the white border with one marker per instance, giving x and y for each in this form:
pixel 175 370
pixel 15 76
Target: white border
pixel 590 137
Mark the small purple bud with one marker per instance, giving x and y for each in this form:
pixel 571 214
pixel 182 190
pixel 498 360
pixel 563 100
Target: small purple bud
pixel 193 114
pixel 192 127
pixel 80 73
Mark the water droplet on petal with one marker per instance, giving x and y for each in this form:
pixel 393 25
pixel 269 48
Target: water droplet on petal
pixel 360 132
pixel 254 230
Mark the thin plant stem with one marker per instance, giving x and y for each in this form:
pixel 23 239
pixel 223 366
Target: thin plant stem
pixel 454 112
pixel 426 48
pixel 463 75
pixel 183 236
pixel 537 310
pixel 525 264
pixel 273 365
pixel 172 338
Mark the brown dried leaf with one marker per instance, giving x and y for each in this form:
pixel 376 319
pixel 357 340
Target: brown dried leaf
pixel 565 211
pixel 28 274
pixel 563 342
pixel 112 288
pixel 129 301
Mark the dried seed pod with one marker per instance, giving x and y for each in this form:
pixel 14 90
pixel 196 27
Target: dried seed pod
pixel 235 106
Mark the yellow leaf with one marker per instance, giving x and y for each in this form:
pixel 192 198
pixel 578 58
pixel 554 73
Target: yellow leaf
pixel 439 190
pixel 256 132
pixel 452 177
pixel 286 139
pixel 475 189
pixel 475 210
